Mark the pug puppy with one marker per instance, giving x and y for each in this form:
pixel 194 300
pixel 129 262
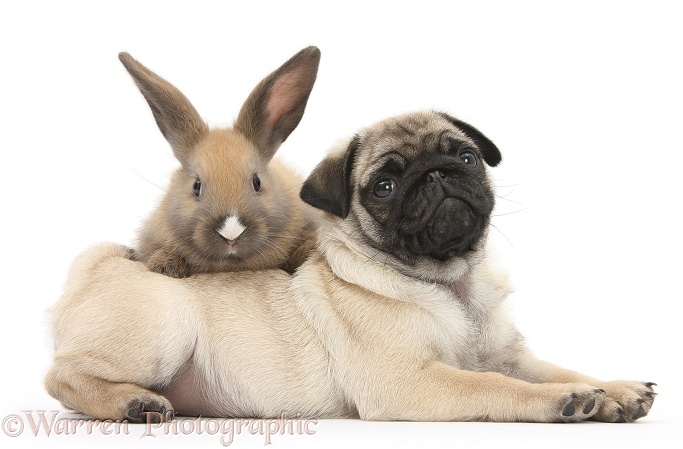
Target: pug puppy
pixel 398 315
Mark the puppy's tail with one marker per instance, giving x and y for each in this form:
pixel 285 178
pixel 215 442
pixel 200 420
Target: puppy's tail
pixel 82 273
pixel 86 263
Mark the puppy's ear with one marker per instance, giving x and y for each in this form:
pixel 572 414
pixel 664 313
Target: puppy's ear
pixel 488 149
pixel 329 185
pixel 275 106
pixel 177 119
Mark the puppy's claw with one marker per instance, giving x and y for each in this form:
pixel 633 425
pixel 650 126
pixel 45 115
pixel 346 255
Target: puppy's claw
pixel 639 413
pixel 622 415
pixel 167 415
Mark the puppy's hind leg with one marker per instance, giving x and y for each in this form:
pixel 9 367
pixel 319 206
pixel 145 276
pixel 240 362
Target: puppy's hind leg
pixel 120 333
pixel 111 381
pixel 103 399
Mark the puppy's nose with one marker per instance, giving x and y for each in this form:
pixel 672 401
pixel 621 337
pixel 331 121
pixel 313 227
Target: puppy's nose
pixel 435 175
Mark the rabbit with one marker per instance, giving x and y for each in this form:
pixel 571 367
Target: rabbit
pixel 230 206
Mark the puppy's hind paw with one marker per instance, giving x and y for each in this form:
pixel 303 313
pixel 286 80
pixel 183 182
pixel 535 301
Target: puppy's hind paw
pixel 150 410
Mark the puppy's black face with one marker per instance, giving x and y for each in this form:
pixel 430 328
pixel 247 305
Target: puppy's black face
pixel 436 205
pixel 412 186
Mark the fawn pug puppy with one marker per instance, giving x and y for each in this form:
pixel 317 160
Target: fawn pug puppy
pixel 398 315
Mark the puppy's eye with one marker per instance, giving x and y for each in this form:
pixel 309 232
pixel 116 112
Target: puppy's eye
pixel 384 188
pixel 197 187
pixel 468 158
pixel 256 182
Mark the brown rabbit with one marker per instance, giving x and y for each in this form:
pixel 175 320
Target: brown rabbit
pixel 230 206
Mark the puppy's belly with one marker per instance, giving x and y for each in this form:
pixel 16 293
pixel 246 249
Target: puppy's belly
pixel 187 394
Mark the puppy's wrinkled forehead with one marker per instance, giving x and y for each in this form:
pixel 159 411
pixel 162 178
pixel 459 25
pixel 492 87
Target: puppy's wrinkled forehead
pixel 404 137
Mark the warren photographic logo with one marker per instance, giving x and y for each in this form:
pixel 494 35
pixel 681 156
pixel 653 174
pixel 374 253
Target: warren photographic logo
pixel 41 423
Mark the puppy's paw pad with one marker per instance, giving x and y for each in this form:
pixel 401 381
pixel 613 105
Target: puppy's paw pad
pixel 588 406
pixel 570 408
pixel 581 404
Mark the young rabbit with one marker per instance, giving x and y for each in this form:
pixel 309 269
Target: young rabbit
pixel 230 206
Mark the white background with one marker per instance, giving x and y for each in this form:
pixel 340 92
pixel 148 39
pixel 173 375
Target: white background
pixel 584 100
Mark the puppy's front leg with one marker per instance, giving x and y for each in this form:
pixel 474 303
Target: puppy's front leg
pixel 625 401
pixel 440 392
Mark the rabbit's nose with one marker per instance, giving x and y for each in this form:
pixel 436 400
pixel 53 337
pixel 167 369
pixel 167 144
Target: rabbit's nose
pixel 232 228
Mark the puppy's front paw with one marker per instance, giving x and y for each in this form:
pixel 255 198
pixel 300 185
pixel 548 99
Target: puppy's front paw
pixel 625 401
pixel 582 402
pixel 169 263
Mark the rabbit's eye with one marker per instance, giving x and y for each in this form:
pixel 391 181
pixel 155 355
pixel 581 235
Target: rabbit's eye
pixel 256 182
pixel 197 187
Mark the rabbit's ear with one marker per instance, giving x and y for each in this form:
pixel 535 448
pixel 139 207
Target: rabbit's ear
pixel 177 119
pixel 275 107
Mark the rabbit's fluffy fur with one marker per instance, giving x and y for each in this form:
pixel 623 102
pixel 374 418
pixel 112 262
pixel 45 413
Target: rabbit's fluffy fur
pixel 230 206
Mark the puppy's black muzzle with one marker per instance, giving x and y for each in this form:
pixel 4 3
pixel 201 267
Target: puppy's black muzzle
pixel 429 191
pixel 445 209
